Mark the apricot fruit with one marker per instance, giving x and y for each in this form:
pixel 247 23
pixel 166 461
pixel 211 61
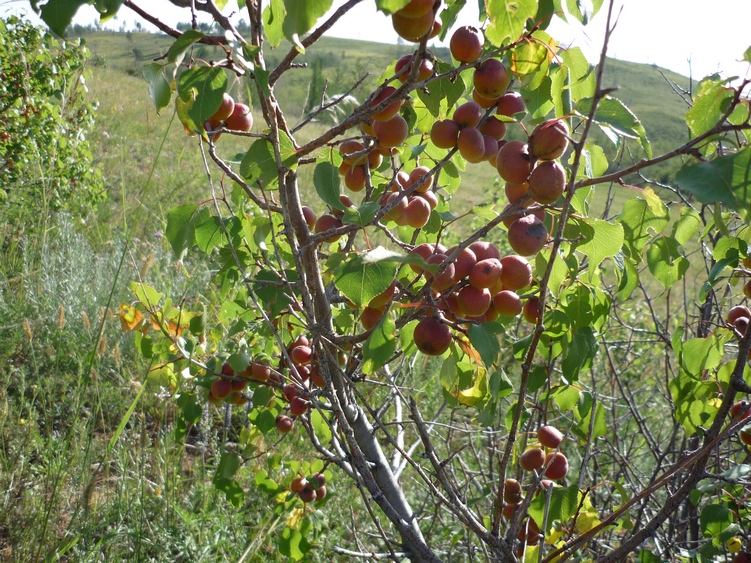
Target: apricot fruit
pixel 485 103
pixel 417 212
pixel 547 182
pixel 444 133
pixel 510 104
pixel 416 8
pixel 471 145
pixel 420 175
pixel 391 109
pixel 493 127
pixel 549 436
pixel 738 311
pixel 284 423
pixel 516 272
pixel 447 278
pixel 468 114
pixel 221 388
pixel 514 191
pixel 549 140
pixel 491 79
pixel 310 217
pixel 473 301
pixel 485 273
pixel 241 118
pixel 464 262
pixel 557 466
pixel 532 459
pixel 370 316
pixel 512 162
pixel 355 178
pixel 224 110
pixel 403 68
pixel 393 132
pixel 531 310
pixel 466 44
pixel 741 410
pixel 484 250
pixel 512 491
pixel 385 297
pixel 327 222
pixel 527 235
pixel 412 29
pixel 507 303
pixel 298 406
pixel 432 337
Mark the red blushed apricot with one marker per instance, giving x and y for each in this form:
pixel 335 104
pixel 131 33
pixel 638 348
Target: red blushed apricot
pixel 352 152
pixel 412 29
pixel 464 262
pixel 532 459
pixel 355 178
pixel 416 8
pixel 549 436
pixel 485 273
pixel 531 310
pixel 510 104
pixel 491 149
pixel 370 316
pixel 393 132
pixel 396 213
pixel 221 388
pixel 471 145
pixel 417 175
pixel 241 119
pixel 430 197
pixel 516 273
pixel 745 435
pixel 514 192
pixel 298 406
pixel 225 109
pixel 535 210
pixel 432 337
pixel 284 423
pixel 527 235
pixel 558 466
pixel 491 79
pixel 738 311
pixel 493 127
pixel 529 532
pixel 547 182
pixel 512 491
pixel 468 114
pixel 507 303
pixel 447 278
pixel 740 410
pixel 444 133
pixel 425 251
pixel 385 297
pixel 310 217
pixel 513 162
pixel 328 222
pixel 484 102
pixel 466 44
pixel 549 140
pixel 390 110
pixel 403 68
pixel 509 509
pixel 473 301
pixel 417 212
pixel 298 484
pixel 484 250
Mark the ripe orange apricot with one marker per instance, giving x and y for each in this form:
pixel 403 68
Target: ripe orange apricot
pixel 491 79
pixel 393 132
pixel 527 235
pixel 549 436
pixel 532 459
pixel 466 44
pixel 444 133
pixel 547 182
pixel 432 337
pixel 513 162
pixel 516 272
pixel 549 140
pixel 471 145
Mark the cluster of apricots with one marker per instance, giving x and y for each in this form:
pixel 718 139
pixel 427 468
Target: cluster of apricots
pixel 554 466
pixel 472 284
pixel 231 115
pixel 312 488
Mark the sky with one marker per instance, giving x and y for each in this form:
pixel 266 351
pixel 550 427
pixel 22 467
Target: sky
pixel 685 36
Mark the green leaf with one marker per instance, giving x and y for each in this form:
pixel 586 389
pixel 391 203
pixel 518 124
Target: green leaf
pixel 361 278
pixel 205 87
pixel 301 16
pixel 539 100
pixel 565 397
pixel 578 353
pixel 321 426
pixel 642 218
pixel 583 10
pixel 601 240
pixel 210 234
pixel 227 467
pixel 484 338
pixel 725 179
pixel 361 215
pixel 687 226
pixel 528 57
pixel 700 354
pixel 665 261
pixel 259 163
pixel 563 506
pixel 380 345
pixel 59 13
pixel 326 180
pixel 714 519
pixel 177 51
pixel 614 114
pixel 388 7
pixel 181 226
pixel 293 544
pixel 232 490
pixel 159 89
pixel 583 413
pixel 508 19
pixel 709 105
pixel 273 19
pixel 443 89
pixel 628 276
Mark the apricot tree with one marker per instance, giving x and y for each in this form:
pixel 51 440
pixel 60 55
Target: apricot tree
pixel 586 399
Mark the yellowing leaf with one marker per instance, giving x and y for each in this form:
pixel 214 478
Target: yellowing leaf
pixel 130 317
